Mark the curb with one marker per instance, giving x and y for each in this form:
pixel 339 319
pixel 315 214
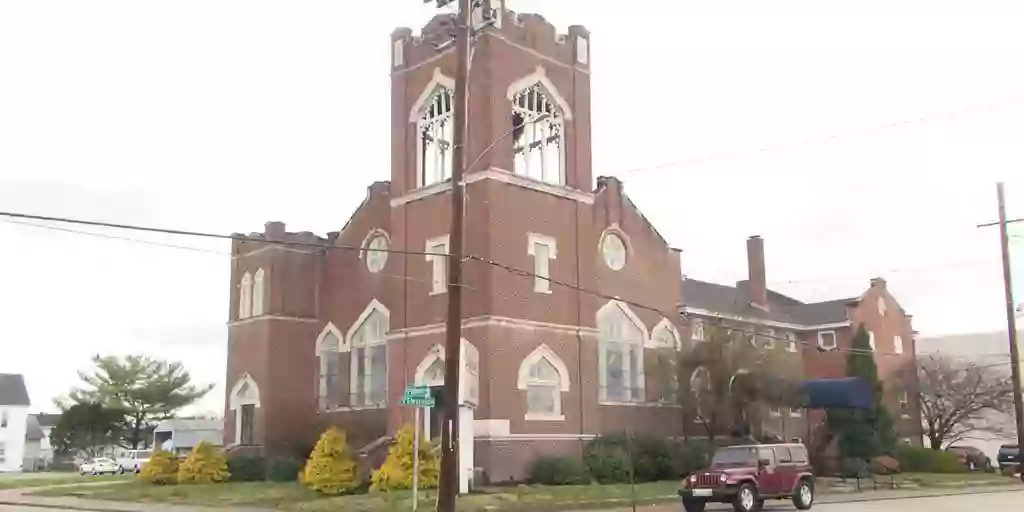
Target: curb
pixel 59 507
pixel 826 501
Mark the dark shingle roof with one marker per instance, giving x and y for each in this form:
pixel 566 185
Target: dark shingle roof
pixel 33 432
pixel 12 390
pixel 47 419
pixel 732 300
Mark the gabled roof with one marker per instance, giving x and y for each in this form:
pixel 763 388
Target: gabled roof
pixel 47 419
pixel 13 390
pixel 734 301
pixel 33 432
pixel 188 425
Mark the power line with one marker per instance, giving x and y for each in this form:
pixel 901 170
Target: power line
pixel 507 268
pixel 115 237
pixel 947 115
pixel 185 247
pixel 243 238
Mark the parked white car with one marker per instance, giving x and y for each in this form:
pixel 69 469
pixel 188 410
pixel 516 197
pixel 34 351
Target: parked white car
pixel 133 460
pixel 99 466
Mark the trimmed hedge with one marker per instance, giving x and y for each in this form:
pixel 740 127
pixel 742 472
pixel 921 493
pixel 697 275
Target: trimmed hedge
pixel 925 460
pixel 285 469
pixel 247 469
pixel 552 470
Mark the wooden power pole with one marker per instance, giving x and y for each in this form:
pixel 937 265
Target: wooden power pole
pixel 1011 322
pixel 448 486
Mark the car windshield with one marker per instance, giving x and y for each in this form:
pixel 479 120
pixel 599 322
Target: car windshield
pixel 145 454
pixel 1008 448
pixel 732 457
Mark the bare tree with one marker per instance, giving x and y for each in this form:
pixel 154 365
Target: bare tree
pixel 958 398
pixel 726 377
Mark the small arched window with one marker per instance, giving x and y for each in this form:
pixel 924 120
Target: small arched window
pixel 245 297
pixel 258 293
pixel 328 346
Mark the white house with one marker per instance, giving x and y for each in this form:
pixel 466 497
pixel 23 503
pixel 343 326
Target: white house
pixel 14 406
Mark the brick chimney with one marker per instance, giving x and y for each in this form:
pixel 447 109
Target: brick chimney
pixel 274 231
pixel 757 286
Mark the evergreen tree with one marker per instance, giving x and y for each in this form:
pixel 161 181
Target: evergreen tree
pixel 204 465
pixel 397 470
pixel 863 434
pixel 331 469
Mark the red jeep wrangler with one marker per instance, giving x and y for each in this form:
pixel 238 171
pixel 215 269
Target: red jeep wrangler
pixel 746 476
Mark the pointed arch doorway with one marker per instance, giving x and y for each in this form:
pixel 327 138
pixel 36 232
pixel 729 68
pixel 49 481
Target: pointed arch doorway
pixel 431 373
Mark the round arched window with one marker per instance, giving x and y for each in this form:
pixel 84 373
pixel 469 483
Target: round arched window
pixel 614 251
pixel 376 254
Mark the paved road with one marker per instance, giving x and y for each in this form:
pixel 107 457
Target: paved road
pixel 993 502
pixel 968 502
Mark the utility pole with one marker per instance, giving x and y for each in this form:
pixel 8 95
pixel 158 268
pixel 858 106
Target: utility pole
pixel 448 486
pixel 1004 242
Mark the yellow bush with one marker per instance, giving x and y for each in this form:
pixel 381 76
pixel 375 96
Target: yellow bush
pixel 161 469
pixel 331 469
pixel 397 470
pixel 205 465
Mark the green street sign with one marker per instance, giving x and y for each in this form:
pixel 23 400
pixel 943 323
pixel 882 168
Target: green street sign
pixel 423 402
pixel 418 396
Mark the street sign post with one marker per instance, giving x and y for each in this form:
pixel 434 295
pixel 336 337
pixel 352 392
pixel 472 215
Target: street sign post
pixel 418 396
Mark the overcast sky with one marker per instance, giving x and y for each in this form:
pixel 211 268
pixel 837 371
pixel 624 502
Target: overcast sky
pixel 860 139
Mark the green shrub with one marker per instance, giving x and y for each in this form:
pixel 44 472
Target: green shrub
pixel 551 470
pixel 692 456
pixel 653 460
pixel 925 460
pixel 284 470
pixel 610 458
pixel 247 468
pixel 607 459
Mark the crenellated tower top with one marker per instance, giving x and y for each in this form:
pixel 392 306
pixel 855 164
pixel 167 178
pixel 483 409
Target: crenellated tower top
pixel 529 100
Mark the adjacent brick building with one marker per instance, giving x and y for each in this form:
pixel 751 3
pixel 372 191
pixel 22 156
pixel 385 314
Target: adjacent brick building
pixel 817 334
pixel 323 332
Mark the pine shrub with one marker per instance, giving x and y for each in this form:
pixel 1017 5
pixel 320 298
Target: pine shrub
pixel 331 469
pixel 204 465
pixel 397 470
pixel 161 469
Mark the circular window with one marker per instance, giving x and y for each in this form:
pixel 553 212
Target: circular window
pixel 614 251
pixel 377 255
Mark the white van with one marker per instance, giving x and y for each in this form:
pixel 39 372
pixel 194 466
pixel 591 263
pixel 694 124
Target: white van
pixel 133 460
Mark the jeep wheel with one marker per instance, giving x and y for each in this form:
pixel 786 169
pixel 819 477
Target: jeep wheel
pixel 803 497
pixel 694 505
pixel 746 499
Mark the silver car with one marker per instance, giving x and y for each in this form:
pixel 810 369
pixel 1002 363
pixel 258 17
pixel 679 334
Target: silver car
pixel 99 466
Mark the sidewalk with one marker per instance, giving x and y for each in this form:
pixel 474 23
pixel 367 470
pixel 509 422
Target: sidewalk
pixel 22 498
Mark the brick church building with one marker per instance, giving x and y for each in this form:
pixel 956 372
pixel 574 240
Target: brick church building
pixel 323 336
pixel 324 333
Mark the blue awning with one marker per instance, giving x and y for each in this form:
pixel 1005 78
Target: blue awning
pixel 847 393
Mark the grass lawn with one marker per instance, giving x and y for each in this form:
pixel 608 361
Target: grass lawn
pixel 26 481
pixel 292 496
